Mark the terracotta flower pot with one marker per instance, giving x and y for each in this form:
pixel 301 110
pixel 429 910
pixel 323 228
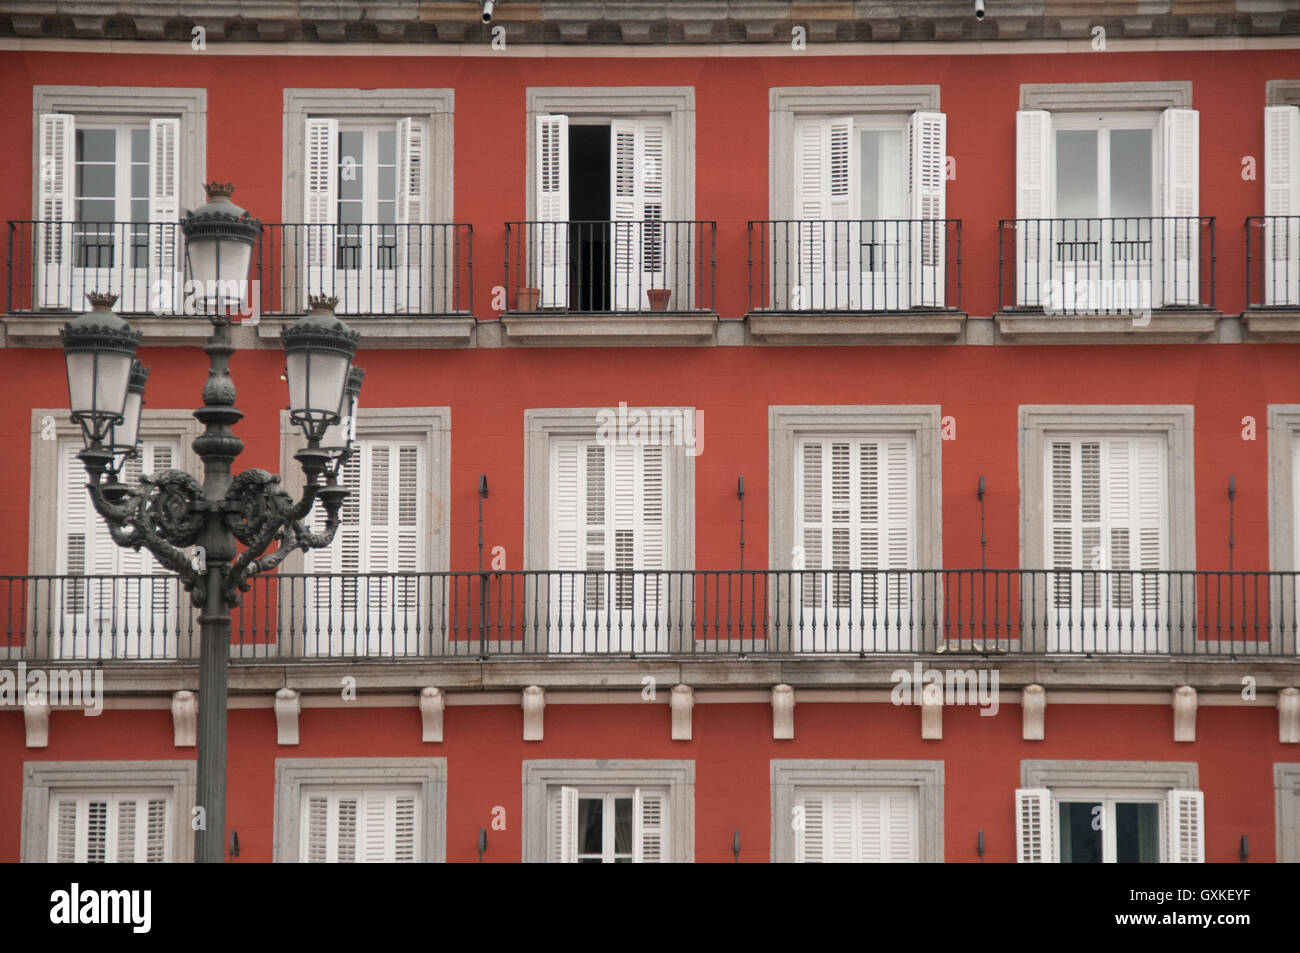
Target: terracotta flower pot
pixel 658 298
pixel 526 299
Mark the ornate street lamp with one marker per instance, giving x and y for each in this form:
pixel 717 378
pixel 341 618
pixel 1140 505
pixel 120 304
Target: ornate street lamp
pixel 169 513
pixel 340 436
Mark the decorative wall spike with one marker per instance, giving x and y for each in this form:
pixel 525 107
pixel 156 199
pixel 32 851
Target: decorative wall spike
pixel 36 717
pixel 1184 713
pixel 681 700
pixel 1033 703
pixel 1288 716
pixel 782 712
pixel 185 714
pixel 432 703
pixel 534 703
pixel 287 706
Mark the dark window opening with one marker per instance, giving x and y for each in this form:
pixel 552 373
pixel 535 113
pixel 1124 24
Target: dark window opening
pixel 589 206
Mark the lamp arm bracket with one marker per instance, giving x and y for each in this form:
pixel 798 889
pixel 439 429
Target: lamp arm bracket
pixel 157 516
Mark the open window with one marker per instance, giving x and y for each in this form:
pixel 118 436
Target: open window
pixel 1281 252
pixel 609 826
pixel 1067 825
pixel 1107 209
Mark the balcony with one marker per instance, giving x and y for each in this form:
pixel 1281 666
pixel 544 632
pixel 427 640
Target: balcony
pixel 1273 278
pixel 1107 280
pixel 855 281
pixel 393 276
pixel 616 282
pixel 713 614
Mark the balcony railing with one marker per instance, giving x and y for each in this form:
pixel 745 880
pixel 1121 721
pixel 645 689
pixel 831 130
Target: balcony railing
pixel 1106 265
pixel 1273 261
pixel 855 266
pixel 424 269
pixel 789 613
pixel 624 266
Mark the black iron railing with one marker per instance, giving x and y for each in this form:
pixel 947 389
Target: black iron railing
pixel 633 266
pixel 1273 261
pixel 855 265
pixel 694 613
pixel 372 269
pixel 1106 265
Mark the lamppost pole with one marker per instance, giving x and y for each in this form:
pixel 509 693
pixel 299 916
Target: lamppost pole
pixel 192 529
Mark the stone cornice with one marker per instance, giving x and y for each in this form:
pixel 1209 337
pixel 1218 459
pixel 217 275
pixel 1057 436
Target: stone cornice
pixel 639 22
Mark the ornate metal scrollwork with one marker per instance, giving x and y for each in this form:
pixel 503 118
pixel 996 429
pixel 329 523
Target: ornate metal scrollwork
pixel 168 504
pixel 158 515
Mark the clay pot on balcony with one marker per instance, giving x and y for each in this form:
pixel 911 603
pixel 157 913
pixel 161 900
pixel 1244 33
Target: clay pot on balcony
pixel 526 299
pixel 658 298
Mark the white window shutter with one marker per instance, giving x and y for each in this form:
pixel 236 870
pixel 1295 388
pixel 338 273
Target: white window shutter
pixel 826 191
pixel 1179 195
pixel 388 826
pixel 75 532
pixel 63 838
pixel 165 206
pixel 1035 202
pixel 315 842
pixel 413 253
pixel 638 196
pixel 810 830
pixel 320 204
pixel 552 195
pixel 1185 827
pixel 842 841
pixel 927 137
pixel 1281 252
pixel 55 193
pixel 1035 826
pixel 564 827
pixel 96 837
pixel 649 827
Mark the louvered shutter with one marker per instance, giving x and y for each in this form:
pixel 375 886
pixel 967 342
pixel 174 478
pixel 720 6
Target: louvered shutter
pixel 96 837
pixel 649 827
pixel 827 204
pixel 552 195
pixel 1281 251
pixel 1184 827
pixel 121 829
pixel 164 207
pixel 810 832
pixel 1035 826
pixel 1035 203
pixel 63 847
pixel 55 197
pixel 564 827
pixel 565 548
pixel 1179 195
pixel 638 186
pixel 320 205
pixel 413 252
pixel 857 826
pixel 369 826
pixel 927 136
pixel 75 535
pixel 314 843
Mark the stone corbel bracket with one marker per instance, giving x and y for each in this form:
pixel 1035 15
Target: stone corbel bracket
pixel 932 712
pixel 1033 704
pixel 681 701
pixel 288 705
pixel 36 719
pixel 534 704
pixel 432 704
pixel 1288 716
pixel 1184 702
pixel 185 714
pixel 782 712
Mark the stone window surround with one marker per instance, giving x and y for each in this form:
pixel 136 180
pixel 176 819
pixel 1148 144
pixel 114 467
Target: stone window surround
pixel 1080 97
pixel 435 105
pixel 541 775
pixel 132 102
pixel 1175 421
pixel 1123 776
pixel 42 548
pixel 925 777
pixel 42 778
pixel 1286 780
pixel 1283 431
pixel 590 103
pixel 1282 92
pixel 787 423
pixel 291 774
pixel 540 425
pixel 433 426
pixel 786 103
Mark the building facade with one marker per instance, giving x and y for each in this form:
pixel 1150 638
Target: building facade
pixel 807 435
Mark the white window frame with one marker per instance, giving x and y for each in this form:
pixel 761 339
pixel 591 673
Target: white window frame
pixel 44 781
pixel 1286 797
pixel 1103 124
pixel 427 776
pixel 1109 780
pixel 791 777
pixel 542 779
pixel 112 801
pixel 608 796
pixel 1107 798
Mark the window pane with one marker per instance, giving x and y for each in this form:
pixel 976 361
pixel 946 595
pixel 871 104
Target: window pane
pixel 1130 172
pixel 1076 173
pixel 98 211
pixel 96 145
pixel 1080 843
pixel 623 825
pixel 880 157
pixel 590 826
pixel 140 145
pixel 96 181
pixel 387 183
pixel 1137 833
pixel 139 181
pixel 387 148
